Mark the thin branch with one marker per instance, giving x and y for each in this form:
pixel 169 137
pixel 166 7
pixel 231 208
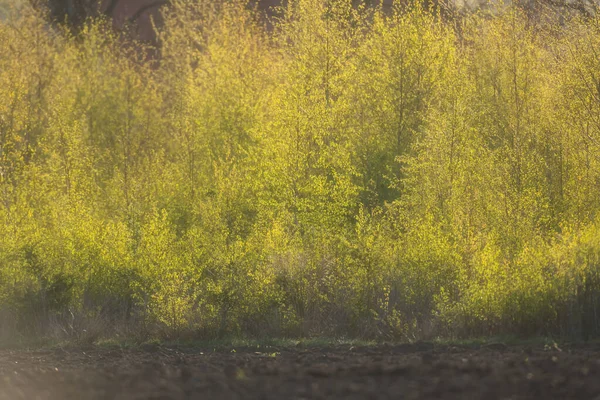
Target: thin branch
pixel 111 8
pixel 147 7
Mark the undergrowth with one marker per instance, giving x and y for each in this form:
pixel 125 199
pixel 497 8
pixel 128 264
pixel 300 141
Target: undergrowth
pixel 348 172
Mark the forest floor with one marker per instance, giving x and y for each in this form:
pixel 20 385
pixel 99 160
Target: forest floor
pixel 403 371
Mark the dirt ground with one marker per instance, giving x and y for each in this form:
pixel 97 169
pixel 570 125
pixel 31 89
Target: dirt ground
pixel 418 371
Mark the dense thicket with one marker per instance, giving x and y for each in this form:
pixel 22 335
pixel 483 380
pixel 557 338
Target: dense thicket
pixel 348 173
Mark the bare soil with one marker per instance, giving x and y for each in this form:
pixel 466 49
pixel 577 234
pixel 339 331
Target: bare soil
pixel 418 371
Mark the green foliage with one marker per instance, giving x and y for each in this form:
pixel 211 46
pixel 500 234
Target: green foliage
pixel 347 172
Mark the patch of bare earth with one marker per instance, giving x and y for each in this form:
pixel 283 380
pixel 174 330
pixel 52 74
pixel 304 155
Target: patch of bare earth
pixel 384 372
